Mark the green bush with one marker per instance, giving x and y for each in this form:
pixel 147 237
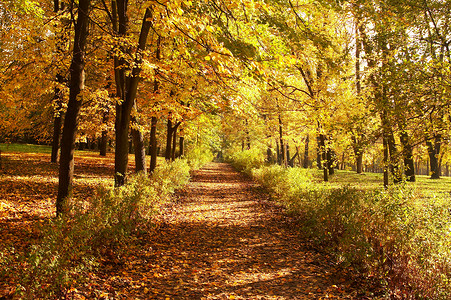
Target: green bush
pixel 246 160
pixel 198 157
pixel 72 244
pixel 395 234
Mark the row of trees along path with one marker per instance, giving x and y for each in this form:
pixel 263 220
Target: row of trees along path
pixel 223 239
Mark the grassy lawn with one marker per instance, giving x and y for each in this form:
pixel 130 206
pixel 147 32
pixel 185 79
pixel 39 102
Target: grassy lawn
pixel 25 148
pixel 372 181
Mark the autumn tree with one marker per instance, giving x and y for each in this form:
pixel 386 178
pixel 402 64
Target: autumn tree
pixel 76 85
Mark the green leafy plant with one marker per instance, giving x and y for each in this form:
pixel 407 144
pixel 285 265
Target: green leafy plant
pixel 72 244
pixel 396 235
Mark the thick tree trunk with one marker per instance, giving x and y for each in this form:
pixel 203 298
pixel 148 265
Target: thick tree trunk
pixel 359 163
pixel 77 78
pixel 127 90
pixel 394 158
pixel 434 151
pixel 182 146
pixel 284 154
pixel 153 145
pixel 138 143
pixel 140 151
pixel 103 143
pixel 409 167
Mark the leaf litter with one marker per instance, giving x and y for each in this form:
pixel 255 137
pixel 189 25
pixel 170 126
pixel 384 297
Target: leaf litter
pixel 221 238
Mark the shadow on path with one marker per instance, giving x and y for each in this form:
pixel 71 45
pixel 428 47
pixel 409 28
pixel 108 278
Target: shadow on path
pixel 224 241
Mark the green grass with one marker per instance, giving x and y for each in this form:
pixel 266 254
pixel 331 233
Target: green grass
pixel 372 181
pixel 25 148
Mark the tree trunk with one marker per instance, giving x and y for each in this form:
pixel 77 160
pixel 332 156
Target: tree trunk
pixel 174 143
pixel 103 143
pixel 330 161
pixel 291 161
pixel 153 145
pixel 138 143
pixel 181 146
pixel 57 121
pixel 140 151
pixel 76 86
pixel 283 152
pixel 167 154
pixel 306 149
pixel 433 152
pixel 359 163
pixel 248 138
pixel 386 158
pixel 409 167
pixel 153 123
pixel 394 158
pixel 319 163
pixel 127 90
pixel 322 149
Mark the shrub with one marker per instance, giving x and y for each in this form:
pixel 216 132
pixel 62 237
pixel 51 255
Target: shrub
pixel 198 157
pixel 247 160
pixel 395 234
pixel 72 243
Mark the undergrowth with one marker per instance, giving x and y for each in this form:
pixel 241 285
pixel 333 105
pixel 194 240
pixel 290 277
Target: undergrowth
pixel 396 235
pixel 199 156
pixel 72 245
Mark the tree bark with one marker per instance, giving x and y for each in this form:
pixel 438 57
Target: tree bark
pixel 433 152
pixel 306 149
pixel 167 154
pixel 248 138
pixel 394 157
pixel 283 152
pixel 409 166
pixel 140 151
pixel 322 140
pixel 359 163
pixel 57 122
pixel 153 145
pixel 103 144
pixel 174 143
pixel 330 161
pixel 138 143
pixel 319 163
pixel 77 79
pixel 127 90
pixel 153 129
pixel 182 146
pixel 386 158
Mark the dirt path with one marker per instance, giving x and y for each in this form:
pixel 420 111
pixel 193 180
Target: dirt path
pixel 223 240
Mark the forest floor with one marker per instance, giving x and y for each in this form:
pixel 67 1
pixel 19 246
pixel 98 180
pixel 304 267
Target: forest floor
pixel 222 238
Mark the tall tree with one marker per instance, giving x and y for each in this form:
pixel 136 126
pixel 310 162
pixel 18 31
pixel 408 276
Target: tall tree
pixel 76 85
pixel 127 86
